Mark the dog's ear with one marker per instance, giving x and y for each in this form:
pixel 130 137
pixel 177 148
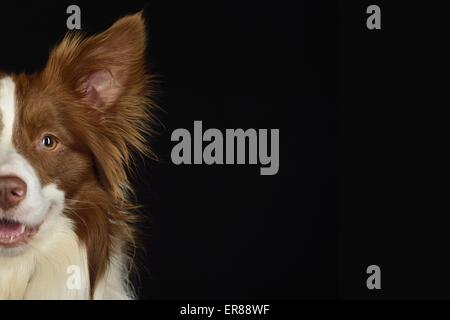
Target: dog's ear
pixel 109 95
pixel 100 69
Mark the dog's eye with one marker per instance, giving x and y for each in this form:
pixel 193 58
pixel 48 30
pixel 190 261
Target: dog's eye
pixel 49 142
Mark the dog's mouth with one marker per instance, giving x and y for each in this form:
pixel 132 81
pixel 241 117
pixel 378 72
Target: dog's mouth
pixel 14 233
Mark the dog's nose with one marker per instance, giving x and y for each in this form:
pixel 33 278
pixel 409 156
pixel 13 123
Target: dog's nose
pixel 12 191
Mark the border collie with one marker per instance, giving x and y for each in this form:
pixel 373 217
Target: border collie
pixel 67 139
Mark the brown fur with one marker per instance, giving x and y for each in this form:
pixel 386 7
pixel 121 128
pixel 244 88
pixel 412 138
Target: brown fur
pixel 97 137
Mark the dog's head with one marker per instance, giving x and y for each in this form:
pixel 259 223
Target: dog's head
pixel 67 135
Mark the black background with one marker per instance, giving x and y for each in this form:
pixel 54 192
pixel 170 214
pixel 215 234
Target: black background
pixel 351 190
pixel 393 209
pixel 225 231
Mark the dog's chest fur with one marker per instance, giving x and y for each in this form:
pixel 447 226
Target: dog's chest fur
pixel 48 271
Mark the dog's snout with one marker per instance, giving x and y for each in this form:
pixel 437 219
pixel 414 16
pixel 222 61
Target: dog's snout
pixel 12 191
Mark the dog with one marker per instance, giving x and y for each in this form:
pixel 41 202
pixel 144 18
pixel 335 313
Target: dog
pixel 68 137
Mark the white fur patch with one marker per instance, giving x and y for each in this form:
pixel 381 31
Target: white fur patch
pixel 7 111
pixel 41 272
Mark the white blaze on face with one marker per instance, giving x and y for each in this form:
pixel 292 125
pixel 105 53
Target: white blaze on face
pixel 7 112
pixel 41 203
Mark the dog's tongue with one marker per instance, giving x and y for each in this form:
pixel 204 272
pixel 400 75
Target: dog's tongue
pixel 9 228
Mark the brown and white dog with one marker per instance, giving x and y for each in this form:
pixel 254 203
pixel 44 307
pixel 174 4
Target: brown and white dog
pixel 67 136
